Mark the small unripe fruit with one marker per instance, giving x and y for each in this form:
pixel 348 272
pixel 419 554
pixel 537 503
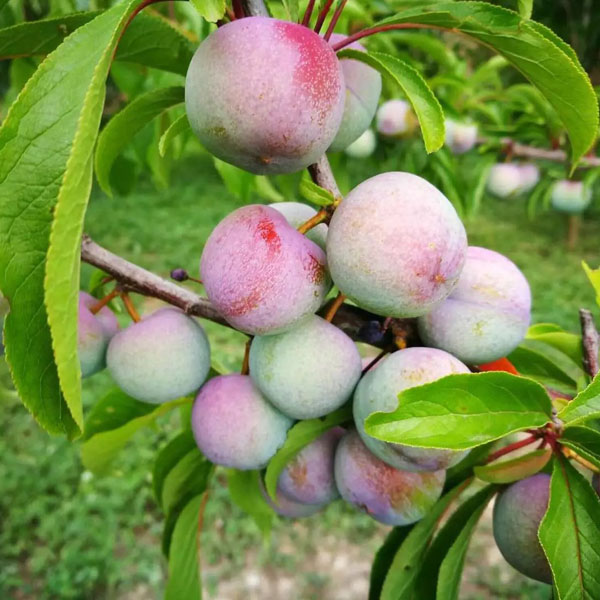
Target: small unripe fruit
pixel 388 495
pixel 396 245
pixel 265 95
pixel 518 512
pixel 487 314
pixel 460 137
pixel 395 119
pixel 297 214
pixel 94 331
pixel 364 146
pixel 378 392
pixel 571 197
pixel 260 273
pixel 306 372
pixel 504 180
pixel 235 426
pixel 163 357
pixel 363 88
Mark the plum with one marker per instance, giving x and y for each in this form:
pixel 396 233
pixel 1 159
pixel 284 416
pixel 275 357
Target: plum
pixel 163 357
pixel 363 146
pixel 518 512
pixel 395 119
pixel 460 137
pixel 504 180
pixel 571 197
pixel 285 507
pixel 94 331
pixel 265 95
pixel 261 274
pixel 308 478
pixel 363 88
pixel 530 176
pixel 488 313
pixel 308 371
pixel 390 496
pixel 297 214
pixel 395 245
pixel 234 425
pixel 378 392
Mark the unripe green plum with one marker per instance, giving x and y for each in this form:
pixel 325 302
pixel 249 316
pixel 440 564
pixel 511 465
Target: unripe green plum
pixel 396 246
pixel 261 274
pixel 504 180
pixel 487 314
pixel 395 119
pixel 364 146
pixel 378 392
pixel 265 95
pixel 518 512
pixel 94 331
pixel 285 507
pixel 571 197
pixel 308 371
pixel 460 137
pixel 387 494
pixel 308 478
pixel 296 214
pixel 163 357
pixel 363 88
pixel 235 426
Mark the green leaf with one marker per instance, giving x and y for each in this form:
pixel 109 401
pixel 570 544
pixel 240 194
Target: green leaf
pixel 515 469
pixel 585 406
pixel 244 489
pixel 383 559
pixel 554 336
pixel 178 126
pixel 315 193
pixel 534 50
pixel 211 10
pixel 126 123
pixel 401 578
pixel 238 182
pixel 459 412
pixel 594 277
pixel 184 560
pixel 569 533
pixel 525 8
pixel 466 467
pixel 46 144
pixel 585 441
pixel 425 104
pixel 299 436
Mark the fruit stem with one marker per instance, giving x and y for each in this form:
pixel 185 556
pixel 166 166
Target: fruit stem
pixel 238 9
pixel 572 231
pixel 308 13
pixel 512 447
pixel 96 308
pixel 336 17
pixel 323 15
pixel 339 300
pixel 246 362
pixel 374 361
pixel 319 218
pixel 590 341
pixel 582 461
pixel 133 313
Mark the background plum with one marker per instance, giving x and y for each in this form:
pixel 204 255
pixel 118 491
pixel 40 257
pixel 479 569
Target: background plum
pixel 395 118
pixel 487 314
pixel 285 507
pixel 234 425
pixel 460 137
pixel 518 512
pixel 504 180
pixel 94 331
pixel 363 146
pixel 378 391
pixel 262 275
pixel 363 88
pixel 395 245
pixel 530 176
pixel 297 213
pixel 163 357
pixel 308 478
pixel 265 95
pixel 570 196
pixel 389 495
pixel 308 371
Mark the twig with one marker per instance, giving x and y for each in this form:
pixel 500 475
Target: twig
pixel 523 151
pixel 133 313
pixel 322 175
pixel 320 217
pixel 512 447
pixel 590 341
pixel 246 362
pixel 374 361
pixel 96 308
pixel 334 307
pixel 255 8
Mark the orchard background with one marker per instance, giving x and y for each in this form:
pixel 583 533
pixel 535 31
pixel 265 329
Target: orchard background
pixel 83 511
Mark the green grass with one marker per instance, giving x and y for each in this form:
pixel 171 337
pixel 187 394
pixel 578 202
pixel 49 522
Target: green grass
pixel 67 534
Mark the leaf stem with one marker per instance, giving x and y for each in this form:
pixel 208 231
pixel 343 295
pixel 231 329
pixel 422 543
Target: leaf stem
pixel 96 308
pixel 308 13
pixel 323 15
pixel 133 313
pixel 582 461
pixel 335 305
pixel 512 447
pixel 336 17
pixel 380 29
pixel 320 217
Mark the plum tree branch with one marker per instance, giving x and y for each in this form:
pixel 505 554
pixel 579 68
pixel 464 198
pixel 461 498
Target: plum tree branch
pixel 255 8
pixel 590 341
pixel 523 151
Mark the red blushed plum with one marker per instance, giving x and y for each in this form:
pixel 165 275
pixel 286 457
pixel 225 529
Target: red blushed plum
pixel 571 197
pixel 265 95
pixel 261 274
pixel 518 512
pixel 363 88
pixel 486 316
pixel 387 494
pixel 308 478
pixel 396 246
pixel 285 507
pixel 94 331
pixel 235 426
pixel 378 392
pixel 163 357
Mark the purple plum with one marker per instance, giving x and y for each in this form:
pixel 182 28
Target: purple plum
pixel 285 507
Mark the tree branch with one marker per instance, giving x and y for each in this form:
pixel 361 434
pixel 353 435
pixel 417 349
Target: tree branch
pixel 255 8
pixel 322 175
pixel 590 341
pixel 523 151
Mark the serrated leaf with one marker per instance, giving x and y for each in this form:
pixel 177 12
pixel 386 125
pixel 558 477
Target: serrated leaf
pixel 211 10
pixel 585 406
pixel 463 411
pixel 425 104
pixel 515 469
pixel 244 489
pixel 594 276
pixel 46 144
pixel 569 533
pixel 315 193
pixel 535 51
pixel 299 436
pixel 178 126
pixel 126 123
pixel 525 8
